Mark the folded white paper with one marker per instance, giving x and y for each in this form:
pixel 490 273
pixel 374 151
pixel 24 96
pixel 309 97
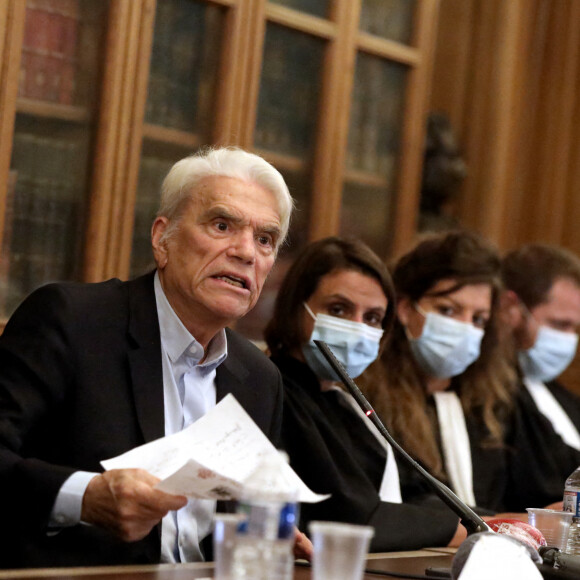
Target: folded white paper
pixel 211 458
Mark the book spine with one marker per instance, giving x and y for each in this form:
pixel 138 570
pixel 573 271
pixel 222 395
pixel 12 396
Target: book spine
pixel 70 18
pixel 49 50
pixel 35 50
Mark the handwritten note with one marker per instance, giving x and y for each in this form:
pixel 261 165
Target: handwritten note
pixel 211 458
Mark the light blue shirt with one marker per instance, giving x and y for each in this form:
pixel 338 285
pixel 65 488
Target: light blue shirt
pixel 188 393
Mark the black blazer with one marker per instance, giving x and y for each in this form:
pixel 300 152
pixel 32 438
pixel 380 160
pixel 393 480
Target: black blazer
pixel 81 381
pixel 334 452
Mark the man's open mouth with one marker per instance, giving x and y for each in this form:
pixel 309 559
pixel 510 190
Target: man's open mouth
pixel 233 280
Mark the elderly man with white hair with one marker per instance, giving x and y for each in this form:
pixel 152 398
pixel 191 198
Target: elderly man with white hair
pixel 89 371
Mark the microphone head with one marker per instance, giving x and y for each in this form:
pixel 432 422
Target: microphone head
pixel 502 556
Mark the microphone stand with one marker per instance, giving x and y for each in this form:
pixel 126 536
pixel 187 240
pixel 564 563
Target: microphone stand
pixel 470 520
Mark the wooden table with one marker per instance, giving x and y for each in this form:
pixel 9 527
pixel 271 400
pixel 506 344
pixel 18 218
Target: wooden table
pixel 407 562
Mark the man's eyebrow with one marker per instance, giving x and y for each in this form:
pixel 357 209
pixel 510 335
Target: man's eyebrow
pixel 272 229
pixel 221 212
pixel 224 213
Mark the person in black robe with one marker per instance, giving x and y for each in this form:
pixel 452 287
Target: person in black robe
pixel 338 290
pixel 442 389
pixel 541 308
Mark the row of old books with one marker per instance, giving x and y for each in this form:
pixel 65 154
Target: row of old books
pixel 49 51
pixel 184 64
pixel 151 174
pixel 43 213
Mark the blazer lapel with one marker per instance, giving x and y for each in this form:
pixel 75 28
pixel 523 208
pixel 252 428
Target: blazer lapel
pixel 145 358
pixel 230 377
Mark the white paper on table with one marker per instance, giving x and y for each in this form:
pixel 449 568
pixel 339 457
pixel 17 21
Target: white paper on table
pixel 494 557
pixel 211 458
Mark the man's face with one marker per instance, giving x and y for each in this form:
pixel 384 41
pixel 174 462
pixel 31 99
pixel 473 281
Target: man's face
pixel 561 311
pixel 214 265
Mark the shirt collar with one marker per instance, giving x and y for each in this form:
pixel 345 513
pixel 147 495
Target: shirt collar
pixel 178 341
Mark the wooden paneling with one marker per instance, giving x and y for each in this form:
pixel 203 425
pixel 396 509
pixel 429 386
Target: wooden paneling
pixel 507 74
pixel 452 60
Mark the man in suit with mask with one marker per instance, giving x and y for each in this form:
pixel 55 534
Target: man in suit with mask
pixel 541 304
pixel 89 371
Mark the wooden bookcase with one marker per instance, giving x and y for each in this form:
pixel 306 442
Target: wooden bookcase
pixel 98 99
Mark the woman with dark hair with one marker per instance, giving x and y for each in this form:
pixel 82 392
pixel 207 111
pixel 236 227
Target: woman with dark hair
pixel 441 385
pixel 339 291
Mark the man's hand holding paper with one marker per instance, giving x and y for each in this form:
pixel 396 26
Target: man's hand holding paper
pixel 211 458
pixel 126 502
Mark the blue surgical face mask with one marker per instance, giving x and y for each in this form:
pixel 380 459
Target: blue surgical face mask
pixel 551 354
pixel 446 346
pixel 355 345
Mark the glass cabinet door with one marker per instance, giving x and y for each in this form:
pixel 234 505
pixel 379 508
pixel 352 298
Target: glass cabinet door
pixel 180 106
pixel 373 151
pixel 288 107
pixel 385 129
pixel 47 195
pixel 111 93
pixel 285 134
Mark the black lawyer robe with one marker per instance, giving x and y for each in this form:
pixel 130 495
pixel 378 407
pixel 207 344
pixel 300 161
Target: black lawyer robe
pixel 334 452
pixel 541 460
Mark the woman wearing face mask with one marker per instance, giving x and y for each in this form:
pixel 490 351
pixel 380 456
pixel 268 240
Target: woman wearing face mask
pixel 440 387
pixel 339 291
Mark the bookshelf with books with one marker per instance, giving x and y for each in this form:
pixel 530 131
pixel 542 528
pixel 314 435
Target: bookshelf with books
pixel 99 99
pixel 43 230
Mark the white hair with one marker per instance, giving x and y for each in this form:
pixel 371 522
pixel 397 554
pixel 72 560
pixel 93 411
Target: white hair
pixel 179 184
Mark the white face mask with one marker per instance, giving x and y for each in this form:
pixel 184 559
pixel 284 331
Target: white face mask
pixel 446 346
pixel 355 345
pixel 551 354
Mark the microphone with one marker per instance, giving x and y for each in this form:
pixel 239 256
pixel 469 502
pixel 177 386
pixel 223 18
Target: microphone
pixel 494 560
pixel 470 520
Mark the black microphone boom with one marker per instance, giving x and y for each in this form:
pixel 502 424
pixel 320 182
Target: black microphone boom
pixel 470 520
